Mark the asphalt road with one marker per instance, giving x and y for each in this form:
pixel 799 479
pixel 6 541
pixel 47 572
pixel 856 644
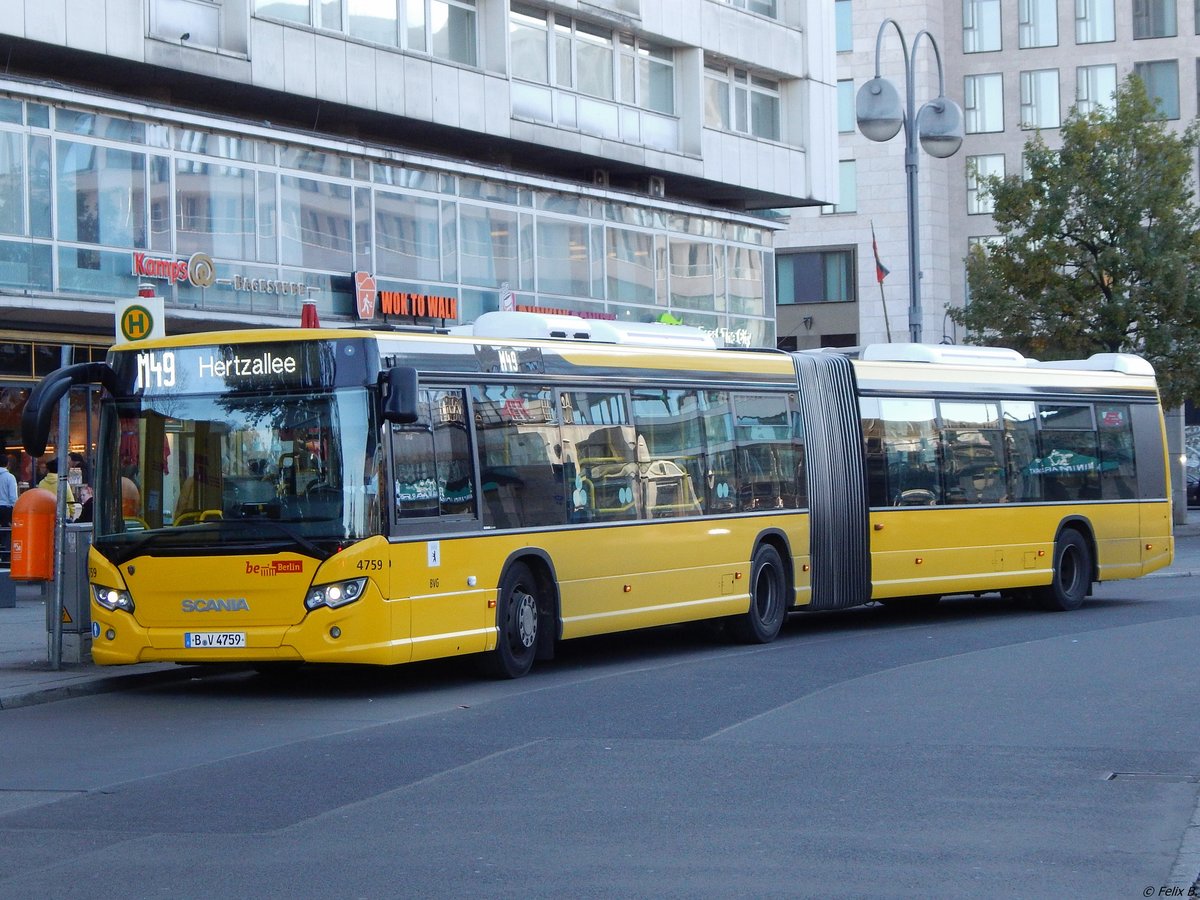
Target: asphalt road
pixel 980 750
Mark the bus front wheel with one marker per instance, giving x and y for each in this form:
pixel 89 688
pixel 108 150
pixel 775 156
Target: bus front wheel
pixel 768 599
pixel 517 625
pixel 1072 576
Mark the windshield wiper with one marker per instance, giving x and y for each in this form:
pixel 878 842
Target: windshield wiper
pixel 213 532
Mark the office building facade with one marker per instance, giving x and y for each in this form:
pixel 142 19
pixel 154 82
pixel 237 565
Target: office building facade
pixel 243 157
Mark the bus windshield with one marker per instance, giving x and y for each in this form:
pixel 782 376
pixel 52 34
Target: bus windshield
pixel 238 468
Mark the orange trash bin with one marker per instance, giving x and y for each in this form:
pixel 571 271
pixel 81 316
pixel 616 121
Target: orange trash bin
pixel 34 518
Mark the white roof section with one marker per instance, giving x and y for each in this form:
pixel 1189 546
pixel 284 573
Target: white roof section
pixel 553 326
pixel 966 355
pixel 947 354
pixel 1125 363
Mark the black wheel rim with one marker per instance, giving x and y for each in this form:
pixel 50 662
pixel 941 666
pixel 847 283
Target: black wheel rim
pixel 522 620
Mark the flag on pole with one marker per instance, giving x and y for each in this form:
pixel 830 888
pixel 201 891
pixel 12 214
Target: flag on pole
pixel 881 271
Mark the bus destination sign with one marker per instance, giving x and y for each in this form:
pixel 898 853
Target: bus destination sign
pixel 243 367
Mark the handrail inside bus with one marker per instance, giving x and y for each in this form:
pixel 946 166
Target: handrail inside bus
pixel 43 399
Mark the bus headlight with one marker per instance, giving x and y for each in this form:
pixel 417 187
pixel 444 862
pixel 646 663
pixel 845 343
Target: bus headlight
pixel 335 594
pixel 111 598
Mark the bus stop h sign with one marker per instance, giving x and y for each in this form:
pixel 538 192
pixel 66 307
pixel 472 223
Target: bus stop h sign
pixel 139 318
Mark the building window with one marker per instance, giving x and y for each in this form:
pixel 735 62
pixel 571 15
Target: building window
pixel 737 100
pixel 815 276
pixel 983 103
pixel 579 57
pixel 583 57
pixel 288 10
pixel 979 168
pixel 12 183
pixel 1154 19
pixel 693 268
pixel 762 7
pixel 1094 21
pixel 647 75
pixel 1039 99
pixel 1094 87
pixel 443 28
pixel 316 224
pixel 377 22
pixel 981 25
pixel 1162 84
pixel 529 42
pixel 1037 23
pixel 846 118
pixel 101 195
pixel 629 266
pixel 215 209
pixel 451 29
pixel 847 189
pixel 844 26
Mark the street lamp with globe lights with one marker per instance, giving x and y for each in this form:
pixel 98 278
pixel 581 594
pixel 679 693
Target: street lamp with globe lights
pixel 938 125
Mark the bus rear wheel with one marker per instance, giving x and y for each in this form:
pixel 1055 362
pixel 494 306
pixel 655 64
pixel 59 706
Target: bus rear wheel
pixel 517 624
pixel 1072 576
pixel 768 599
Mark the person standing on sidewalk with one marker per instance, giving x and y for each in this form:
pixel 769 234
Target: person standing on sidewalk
pixel 50 483
pixel 8 499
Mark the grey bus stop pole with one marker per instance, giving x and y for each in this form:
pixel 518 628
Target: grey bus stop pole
pixel 60 520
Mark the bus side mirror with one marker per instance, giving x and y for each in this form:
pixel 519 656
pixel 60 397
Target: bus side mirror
pixel 399 388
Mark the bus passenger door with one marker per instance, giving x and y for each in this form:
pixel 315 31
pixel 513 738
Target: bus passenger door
pixel 433 491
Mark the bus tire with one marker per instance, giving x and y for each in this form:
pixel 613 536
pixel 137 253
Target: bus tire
pixel 1072 575
pixel 768 599
pixel 516 623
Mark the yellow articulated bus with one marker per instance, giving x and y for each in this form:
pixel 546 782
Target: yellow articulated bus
pixel 341 495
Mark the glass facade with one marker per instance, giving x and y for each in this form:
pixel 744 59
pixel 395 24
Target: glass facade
pixel 94 203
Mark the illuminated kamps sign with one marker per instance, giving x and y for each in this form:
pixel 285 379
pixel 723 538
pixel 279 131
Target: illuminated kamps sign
pixel 200 271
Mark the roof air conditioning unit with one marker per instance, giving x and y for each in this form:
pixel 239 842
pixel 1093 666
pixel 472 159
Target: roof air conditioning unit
pixel 656 187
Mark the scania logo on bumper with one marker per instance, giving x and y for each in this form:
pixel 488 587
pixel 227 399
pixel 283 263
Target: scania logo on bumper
pixel 222 604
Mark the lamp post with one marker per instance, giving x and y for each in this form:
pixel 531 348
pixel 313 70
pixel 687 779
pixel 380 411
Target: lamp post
pixel 938 125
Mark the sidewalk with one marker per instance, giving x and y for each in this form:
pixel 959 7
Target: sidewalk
pixel 26 677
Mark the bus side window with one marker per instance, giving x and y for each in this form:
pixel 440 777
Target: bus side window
pixel 719 478
pixel 873 440
pixel 669 451
pixel 765 452
pixel 414 473
pixel 432 473
pixel 1020 441
pixel 973 458
pixel 1069 457
pixel 1118 469
pixel 519 456
pixel 911 446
